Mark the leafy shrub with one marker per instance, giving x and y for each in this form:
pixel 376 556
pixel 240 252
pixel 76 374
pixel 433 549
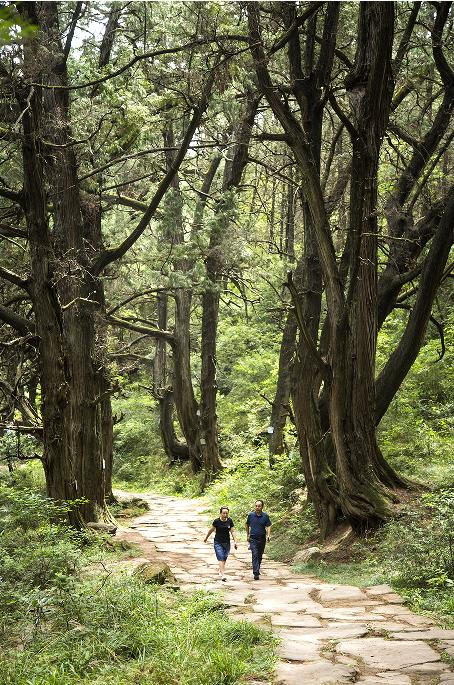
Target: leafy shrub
pixel 139 460
pixel 421 544
pixel 36 552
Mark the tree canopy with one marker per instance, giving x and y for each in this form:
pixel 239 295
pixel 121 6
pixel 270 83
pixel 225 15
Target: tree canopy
pixel 181 180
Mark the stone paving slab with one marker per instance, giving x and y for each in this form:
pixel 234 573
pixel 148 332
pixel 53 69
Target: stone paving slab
pixel 295 620
pixel 377 652
pixel 329 634
pixel 322 672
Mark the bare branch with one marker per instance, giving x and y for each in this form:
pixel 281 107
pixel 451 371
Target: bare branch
pixel 72 28
pixel 145 330
pixel 11 232
pixel 299 21
pixel 405 40
pixel 13 278
pixel 20 323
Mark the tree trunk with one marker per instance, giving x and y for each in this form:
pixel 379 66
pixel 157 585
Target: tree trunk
pixel 174 448
pixel 280 406
pixel 208 386
pixel 184 397
pixel 91 212
pixel 63 287
pixel 360 466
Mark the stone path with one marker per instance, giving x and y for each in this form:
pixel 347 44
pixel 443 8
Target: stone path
pixel 330 634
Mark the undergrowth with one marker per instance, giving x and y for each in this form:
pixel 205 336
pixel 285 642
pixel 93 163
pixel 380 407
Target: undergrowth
pixel 65 622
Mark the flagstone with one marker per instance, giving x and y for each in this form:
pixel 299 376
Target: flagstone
pixel 295 620
pixel 341 593
pixel 431 634
pixel 297 650
pixel 389 654
pixel 337 632
pixel 316 673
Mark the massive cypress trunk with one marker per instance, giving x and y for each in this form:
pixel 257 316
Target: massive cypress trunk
pixel 361 469
pixel 64 289
pixel 60 479
pixel 333 382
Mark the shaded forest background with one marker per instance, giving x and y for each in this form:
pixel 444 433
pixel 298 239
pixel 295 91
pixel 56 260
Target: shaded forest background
pixel 226 237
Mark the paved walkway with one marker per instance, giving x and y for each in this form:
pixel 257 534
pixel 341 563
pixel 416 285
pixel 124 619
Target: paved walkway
pixel 329 633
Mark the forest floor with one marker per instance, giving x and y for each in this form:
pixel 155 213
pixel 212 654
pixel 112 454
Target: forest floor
pixel 328 633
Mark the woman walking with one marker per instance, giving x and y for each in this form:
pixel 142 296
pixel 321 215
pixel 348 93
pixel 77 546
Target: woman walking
pixel 224 528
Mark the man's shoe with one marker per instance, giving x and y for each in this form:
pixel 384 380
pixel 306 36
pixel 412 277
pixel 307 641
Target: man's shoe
pixel 256 577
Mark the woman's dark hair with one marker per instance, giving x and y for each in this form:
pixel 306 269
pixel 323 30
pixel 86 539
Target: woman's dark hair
pixel 222 509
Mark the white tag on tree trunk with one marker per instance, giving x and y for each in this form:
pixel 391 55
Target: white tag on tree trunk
pixel 270 429
pixel 103 464
pixel 202 441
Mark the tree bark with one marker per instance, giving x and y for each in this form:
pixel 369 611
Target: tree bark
pixel 174 448
pixel 355 488
pixel 280 406
pixel 64 291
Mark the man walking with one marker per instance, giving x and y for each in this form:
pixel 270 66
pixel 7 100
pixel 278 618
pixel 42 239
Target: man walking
pixel 258 528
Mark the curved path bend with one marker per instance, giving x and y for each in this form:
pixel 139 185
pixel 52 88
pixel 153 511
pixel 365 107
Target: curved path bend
pixel 330 634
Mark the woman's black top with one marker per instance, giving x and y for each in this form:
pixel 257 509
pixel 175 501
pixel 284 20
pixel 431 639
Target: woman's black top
pixel 222 529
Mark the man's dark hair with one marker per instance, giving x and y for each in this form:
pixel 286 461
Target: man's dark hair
pixel 261 501
pixel 222 509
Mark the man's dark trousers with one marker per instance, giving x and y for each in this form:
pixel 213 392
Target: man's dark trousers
pixel 257 549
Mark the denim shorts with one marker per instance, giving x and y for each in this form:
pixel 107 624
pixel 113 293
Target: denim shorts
pixel 221 549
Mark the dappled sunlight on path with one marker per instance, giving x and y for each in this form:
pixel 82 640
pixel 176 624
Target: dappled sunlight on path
pixel 330 634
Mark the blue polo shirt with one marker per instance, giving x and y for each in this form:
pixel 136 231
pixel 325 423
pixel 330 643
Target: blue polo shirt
pixel 258 524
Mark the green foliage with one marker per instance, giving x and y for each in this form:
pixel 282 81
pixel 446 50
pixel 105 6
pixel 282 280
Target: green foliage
pixel 421 543
pixel 13 28
pixel 37 554
pixel 416 432
pixel 139 459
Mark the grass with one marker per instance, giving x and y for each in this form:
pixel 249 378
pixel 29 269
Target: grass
pixel 113 629
pixel 359 573
pixel 122 631
pixel 70 614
